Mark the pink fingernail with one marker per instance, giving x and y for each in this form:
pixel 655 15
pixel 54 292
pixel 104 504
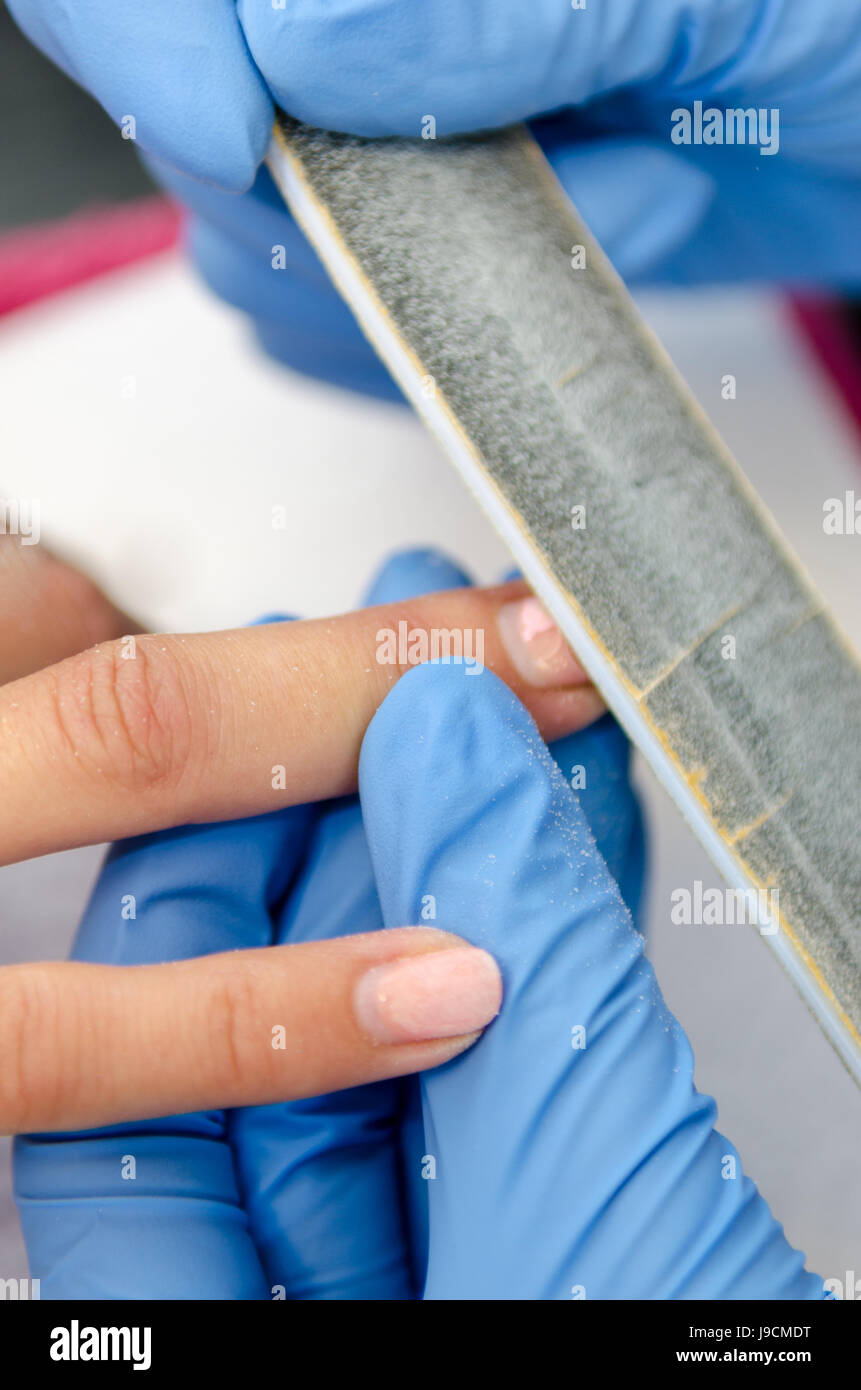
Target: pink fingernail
pixel 440 994
pixel 536 646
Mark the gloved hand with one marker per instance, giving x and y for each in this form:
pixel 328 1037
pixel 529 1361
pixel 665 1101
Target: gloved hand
pixel 199 79
pixel 530 1168
pixel 571 1155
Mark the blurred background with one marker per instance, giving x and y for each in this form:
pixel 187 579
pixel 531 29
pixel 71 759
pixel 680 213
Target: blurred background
pixel 136 409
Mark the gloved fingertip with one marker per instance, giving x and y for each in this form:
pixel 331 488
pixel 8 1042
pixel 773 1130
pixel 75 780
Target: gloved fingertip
pixel 453 758
pixel 220 136
pixel 435 700
pixel 268 618
pixel 411 573
pixel 224 151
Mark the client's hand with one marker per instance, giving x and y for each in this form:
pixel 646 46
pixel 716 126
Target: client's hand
pixel 147 732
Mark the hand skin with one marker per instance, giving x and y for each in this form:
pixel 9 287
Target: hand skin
pixel 189 729
pixel 48 610
pixel 193 728
pixel 89 1045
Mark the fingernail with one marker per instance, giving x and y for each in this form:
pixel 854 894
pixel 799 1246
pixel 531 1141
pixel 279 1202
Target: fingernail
pixel 440 994
pixel 537 647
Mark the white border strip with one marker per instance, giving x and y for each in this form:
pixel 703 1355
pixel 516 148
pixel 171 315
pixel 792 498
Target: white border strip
pixel 345 274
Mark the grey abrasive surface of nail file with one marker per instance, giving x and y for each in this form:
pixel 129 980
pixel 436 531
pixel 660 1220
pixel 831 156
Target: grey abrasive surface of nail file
pixel 549 394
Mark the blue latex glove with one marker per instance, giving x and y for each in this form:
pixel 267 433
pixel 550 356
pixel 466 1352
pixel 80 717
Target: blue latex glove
pixel 555 1168
pixel 199 79
pixel 591 1171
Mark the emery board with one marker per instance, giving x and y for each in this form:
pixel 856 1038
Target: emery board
pixel 530 363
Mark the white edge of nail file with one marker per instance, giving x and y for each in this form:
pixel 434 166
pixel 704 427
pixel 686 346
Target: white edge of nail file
pixel 346 272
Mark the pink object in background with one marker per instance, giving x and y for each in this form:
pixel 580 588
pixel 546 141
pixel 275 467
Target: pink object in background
pixel 824 323
pixel 45 258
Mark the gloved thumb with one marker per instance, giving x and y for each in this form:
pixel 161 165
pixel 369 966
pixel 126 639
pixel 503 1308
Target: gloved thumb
pixel 568 1154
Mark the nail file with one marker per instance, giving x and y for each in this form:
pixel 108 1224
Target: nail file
pixel 506 327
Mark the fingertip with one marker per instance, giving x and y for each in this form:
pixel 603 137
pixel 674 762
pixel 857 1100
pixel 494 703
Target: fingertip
pixel 178 80
pixel 222 144
pixel 448 993
pixel 215 116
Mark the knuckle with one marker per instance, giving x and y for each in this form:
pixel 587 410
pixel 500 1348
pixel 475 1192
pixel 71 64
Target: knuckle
pixel 124 715
pixel 235 1035
pixel 30 1082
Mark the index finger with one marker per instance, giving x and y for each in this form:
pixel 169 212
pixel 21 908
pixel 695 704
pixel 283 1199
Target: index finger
pixel 148 732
